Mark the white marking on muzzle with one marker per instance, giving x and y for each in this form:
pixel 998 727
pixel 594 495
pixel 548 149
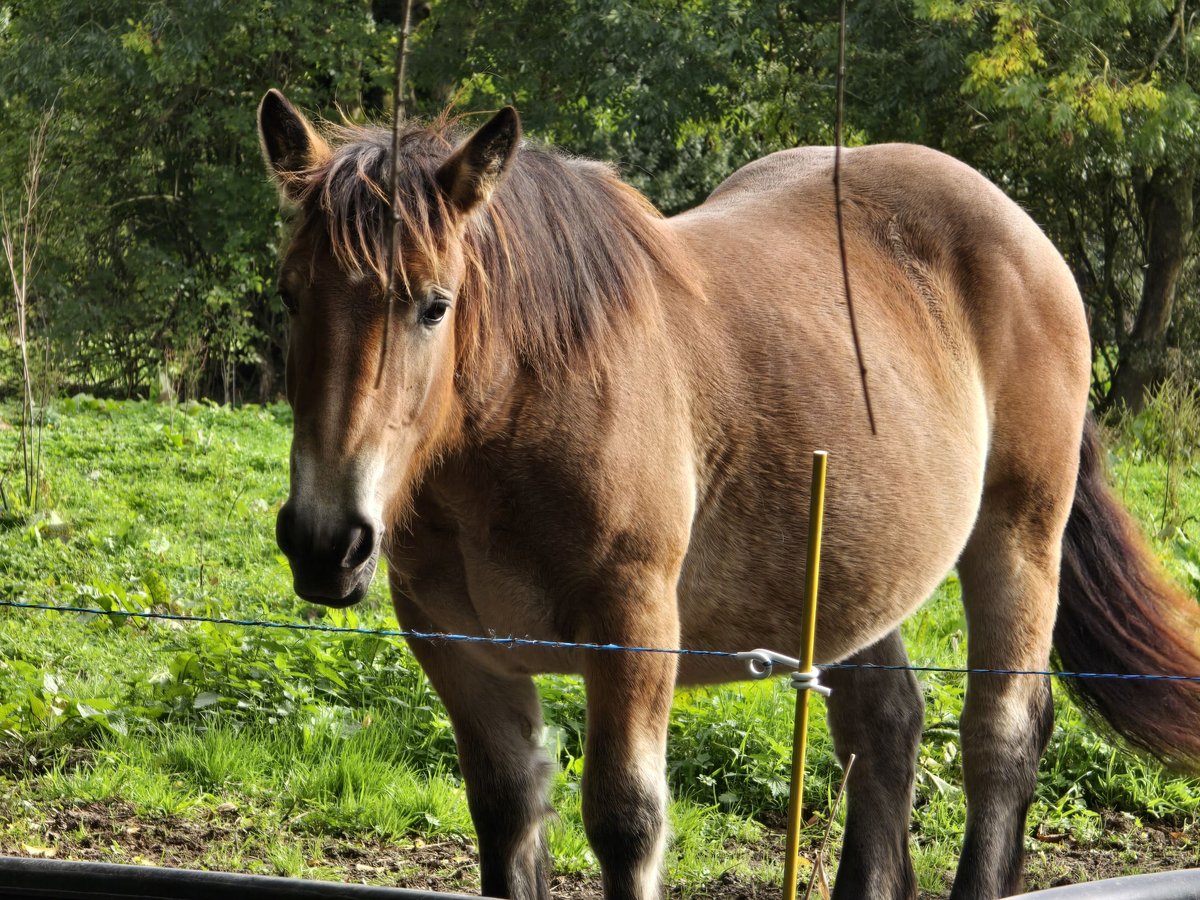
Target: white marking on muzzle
pixel 331 494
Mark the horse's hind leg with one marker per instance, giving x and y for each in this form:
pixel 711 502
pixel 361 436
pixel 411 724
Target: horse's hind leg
pixel 498 728
pixel 878 716
pixel 1009 574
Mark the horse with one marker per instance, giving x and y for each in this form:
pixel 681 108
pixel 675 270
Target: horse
pixel 575 420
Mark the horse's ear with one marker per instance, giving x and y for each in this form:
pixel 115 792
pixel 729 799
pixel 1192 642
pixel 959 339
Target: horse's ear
pixel 474 170
pixel 290 144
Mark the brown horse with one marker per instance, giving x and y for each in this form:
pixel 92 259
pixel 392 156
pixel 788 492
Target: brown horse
pixel 590 423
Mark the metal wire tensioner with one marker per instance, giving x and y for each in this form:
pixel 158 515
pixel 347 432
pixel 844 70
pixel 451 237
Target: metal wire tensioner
pixel 761 664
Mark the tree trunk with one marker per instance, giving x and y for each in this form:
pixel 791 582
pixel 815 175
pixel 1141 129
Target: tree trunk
pixel 1165 205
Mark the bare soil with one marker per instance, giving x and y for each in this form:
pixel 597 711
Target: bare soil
pixel 1125 847
pixel 113 832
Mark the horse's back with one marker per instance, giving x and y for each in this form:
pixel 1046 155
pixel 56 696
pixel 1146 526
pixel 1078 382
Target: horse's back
pixel 947 271
pixel 951 233
pixel 974 340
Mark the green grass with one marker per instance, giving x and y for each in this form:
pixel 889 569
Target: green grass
pixel 299 740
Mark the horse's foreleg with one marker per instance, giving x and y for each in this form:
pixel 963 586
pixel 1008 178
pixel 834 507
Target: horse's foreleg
pixel 878 716
pixel 1010 590
pixel 498 727
pixel 624 782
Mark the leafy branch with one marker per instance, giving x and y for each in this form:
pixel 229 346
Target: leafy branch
pixel 21 234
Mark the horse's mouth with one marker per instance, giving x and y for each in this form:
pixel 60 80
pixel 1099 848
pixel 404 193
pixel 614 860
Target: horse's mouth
pixel 344 590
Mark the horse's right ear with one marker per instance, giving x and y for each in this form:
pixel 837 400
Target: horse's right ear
pixel 290 144
pixel 475 169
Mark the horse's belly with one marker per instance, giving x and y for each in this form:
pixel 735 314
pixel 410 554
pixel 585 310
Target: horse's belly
pixel 899 510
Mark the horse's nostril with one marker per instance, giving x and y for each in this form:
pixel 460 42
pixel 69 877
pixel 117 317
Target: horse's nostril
pixel 285 529
pixel 361 546
pixel 313 548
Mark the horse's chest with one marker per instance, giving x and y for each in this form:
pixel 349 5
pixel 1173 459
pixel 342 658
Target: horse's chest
pixel 506 593
pixel 477 579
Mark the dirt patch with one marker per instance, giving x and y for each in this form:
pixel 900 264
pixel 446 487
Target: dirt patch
pixel 116 833
pixel 222 839
pixel 1126 846
pixel 17 762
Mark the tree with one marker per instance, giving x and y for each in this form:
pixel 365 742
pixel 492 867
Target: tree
pixel 22 226
pixel 678 92
pixel 160 260
pixel 1088 113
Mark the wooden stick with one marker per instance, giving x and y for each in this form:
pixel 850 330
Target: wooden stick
pixel 837 206
pixel 819 864
pixel 399 112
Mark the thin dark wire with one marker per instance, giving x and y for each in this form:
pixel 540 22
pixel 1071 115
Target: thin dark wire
pixel 837 205
pixel 377 632
pixel 948 670
pixel 560 645
pixel 399 111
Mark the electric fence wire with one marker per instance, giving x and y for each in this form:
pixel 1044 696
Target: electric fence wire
pixel 540 643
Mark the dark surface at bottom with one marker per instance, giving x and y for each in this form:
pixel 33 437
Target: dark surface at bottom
pixel 44 878
pixel 1183 885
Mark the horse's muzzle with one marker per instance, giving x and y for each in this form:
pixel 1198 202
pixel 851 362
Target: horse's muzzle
pixel 331 564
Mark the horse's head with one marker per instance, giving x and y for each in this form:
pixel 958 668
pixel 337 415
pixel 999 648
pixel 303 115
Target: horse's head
pixel 372 390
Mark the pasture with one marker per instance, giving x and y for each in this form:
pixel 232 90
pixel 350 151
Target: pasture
pixel 328 756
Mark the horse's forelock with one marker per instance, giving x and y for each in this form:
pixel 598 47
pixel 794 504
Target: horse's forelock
pixel 562 250
pixel 345 200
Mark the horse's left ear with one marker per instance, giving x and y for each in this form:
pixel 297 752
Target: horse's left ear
pixel 474 170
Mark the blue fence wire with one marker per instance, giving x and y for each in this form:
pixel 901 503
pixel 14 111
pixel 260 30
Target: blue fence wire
pixel 557 645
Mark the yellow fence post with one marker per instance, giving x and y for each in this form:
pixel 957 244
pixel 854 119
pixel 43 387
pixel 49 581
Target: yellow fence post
pixel 812 576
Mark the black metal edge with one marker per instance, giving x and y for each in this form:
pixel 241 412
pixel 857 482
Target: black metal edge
pixel 26 878
pixel 1181 885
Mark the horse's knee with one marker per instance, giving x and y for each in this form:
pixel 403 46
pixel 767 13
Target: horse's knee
pixel 625 786
pixel 1003 737
pixel 624 778
pixel 504 766
pixel 1005 730
pixel 880 716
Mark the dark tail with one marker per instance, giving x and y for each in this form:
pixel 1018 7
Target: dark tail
pixel 1118 613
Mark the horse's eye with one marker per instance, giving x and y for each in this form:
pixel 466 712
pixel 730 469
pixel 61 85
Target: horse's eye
pixel 289 301
pixel 435 310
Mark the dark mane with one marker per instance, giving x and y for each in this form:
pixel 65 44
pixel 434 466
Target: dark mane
pixel 561 253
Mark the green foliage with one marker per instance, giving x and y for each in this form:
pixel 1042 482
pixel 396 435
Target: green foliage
pixel 1168 427
pixel 1087 114
pixel 36 703
pixel 160 259
pixel 733 748
pixel 1167 431
pixel 158 273
pixel 680 94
